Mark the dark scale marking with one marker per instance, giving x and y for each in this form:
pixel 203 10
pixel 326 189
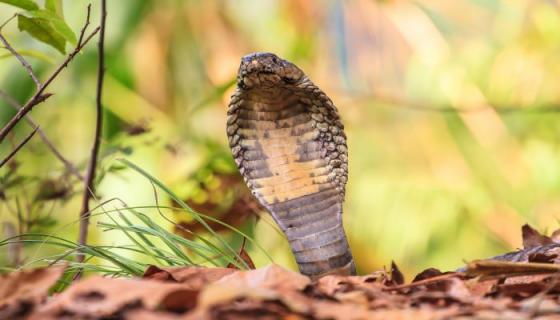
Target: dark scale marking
pixel 311 155
pixel 310 216
pixel 288 112
pixel 260 173
pixel 254 155
pixel 292 111
pixel 330 251
pixel 301 130
pixel 293 121
pixel 339 261
pixel 310 208
pixel 278 124
pixel 309 147
pixel 320 241
pixel 332 263
pixel 307 199
pixel 309 230
pixel 255 164
pixel 276 104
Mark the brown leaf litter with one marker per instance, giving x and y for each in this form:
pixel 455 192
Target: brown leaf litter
pixel 520 285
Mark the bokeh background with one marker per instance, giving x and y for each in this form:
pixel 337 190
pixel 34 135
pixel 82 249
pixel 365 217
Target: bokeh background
pixel 451 110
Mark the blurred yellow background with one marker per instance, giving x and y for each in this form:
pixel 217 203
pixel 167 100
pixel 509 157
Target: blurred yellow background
pixel 451 110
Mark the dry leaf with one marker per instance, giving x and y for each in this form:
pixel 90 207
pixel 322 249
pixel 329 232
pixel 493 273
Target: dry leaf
pixel 532 238
pixel 493 289
pixel 426 274
pixel 21 291
pixel 195 277
pixel 271 283
pixel 98 297
pixel 397 277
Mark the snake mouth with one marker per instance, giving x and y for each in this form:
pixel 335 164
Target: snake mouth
pixel 260 79
pixel 263 79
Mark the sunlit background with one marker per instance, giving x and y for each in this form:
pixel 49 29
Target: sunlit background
pixel 451 110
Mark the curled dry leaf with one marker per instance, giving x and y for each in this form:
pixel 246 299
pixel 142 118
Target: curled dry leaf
pixel 333 284
pixel 99 297
pixel 271 283
pixel 397 277
pixel 272 277
pixel 532 238
pixel 537 248
pixel 22 291
pixel 218 296
pixel 550 255
pixel 194 277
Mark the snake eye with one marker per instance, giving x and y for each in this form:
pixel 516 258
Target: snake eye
pixel 275 60
pixel 241 84
pixel 289 80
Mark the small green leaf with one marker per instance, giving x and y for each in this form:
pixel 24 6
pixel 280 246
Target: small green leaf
pixel 42 30
pixel 24 4
pixel 55 6
pixel 58 24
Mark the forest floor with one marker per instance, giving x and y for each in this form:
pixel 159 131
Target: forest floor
pixel 520 285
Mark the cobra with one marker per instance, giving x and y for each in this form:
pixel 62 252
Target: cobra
pixel 289 144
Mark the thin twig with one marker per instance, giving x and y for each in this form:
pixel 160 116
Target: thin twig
pixel 69 166
pixel 86 25
pixel 40 95
pixel 89 187
pixel 18 147
pixel 8 21
pixel 22 60
pixel 488 269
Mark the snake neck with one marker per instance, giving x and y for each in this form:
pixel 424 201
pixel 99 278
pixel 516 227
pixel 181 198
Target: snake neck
pixel 313 226
pixel 290 148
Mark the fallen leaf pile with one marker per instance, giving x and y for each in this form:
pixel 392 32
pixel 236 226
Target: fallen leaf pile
pixel 520 285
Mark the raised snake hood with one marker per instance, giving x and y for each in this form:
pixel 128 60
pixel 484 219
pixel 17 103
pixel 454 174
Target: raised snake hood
pixel 289 144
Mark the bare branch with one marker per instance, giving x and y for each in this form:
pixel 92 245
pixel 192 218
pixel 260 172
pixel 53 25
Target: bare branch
pixel 23 62
pixel 89 187
pixel 40 95
pixel 8 21
pixel 86 25
pixel 69 166
pixel 18 147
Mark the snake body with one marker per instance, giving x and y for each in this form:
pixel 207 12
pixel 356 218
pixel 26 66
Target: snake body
pixel 289 144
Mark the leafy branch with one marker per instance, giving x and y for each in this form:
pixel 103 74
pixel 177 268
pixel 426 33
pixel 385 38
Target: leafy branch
pixel 41 95
pixel 69 165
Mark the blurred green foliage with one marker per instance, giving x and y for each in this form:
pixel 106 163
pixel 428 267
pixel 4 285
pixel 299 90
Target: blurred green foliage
pixel 451 111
